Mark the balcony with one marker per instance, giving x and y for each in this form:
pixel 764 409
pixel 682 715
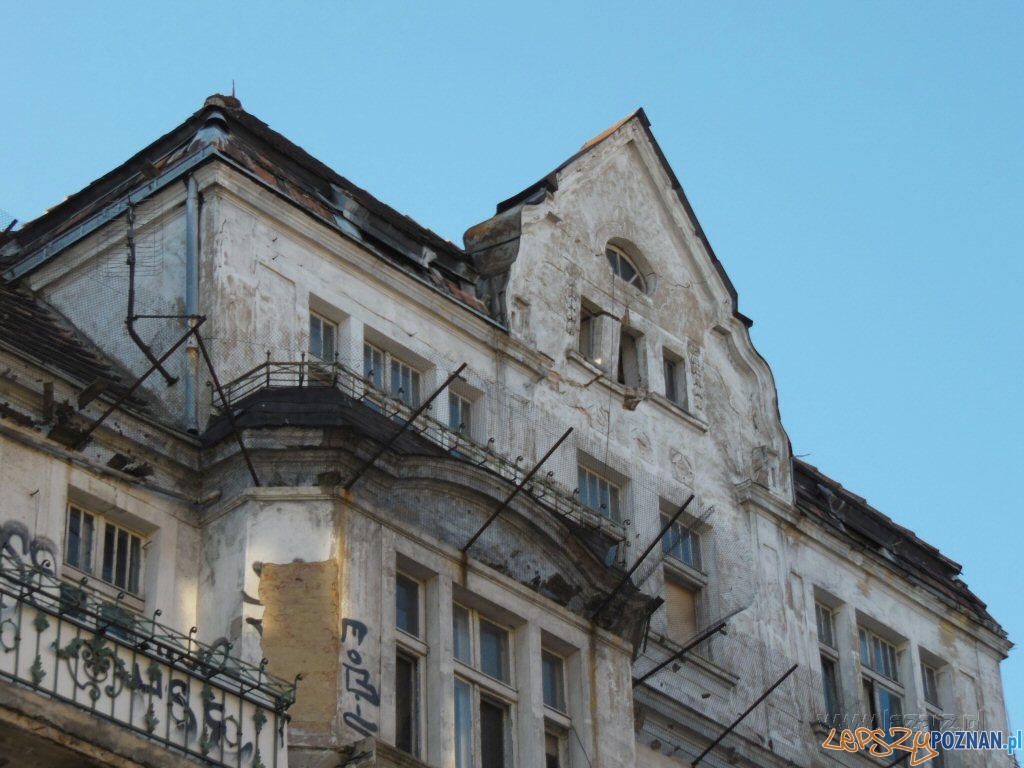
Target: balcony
pixel 134 673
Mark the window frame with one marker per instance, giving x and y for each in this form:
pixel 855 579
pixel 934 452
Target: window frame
pixel 676 391
pixel 465 407
pixel 630 369
pixel 681 532
pixel 324 323
pixel 613 510
pixel 133 582
pixel 828 657
pixel 483 688
pixel 413 648
pixel 390 365
pixel 617 257
pixel 878 686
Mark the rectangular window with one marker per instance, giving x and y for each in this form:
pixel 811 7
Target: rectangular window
pixel 675 380
pixel 391 375
pixel 407 698
pixel 553 677
pixel 322 338
pixel 629 372
pixel 407 605
pixel 825 625
pixel 460 414
pixel 598 493
pixel 878 655
pixel 830 688
pixel 681 543
pixel 930 679
pixel 482 701
pixel 587 342
pixel 681 610
pixel 117 550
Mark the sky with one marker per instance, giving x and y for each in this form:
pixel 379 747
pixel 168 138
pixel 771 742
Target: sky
pixel 858 169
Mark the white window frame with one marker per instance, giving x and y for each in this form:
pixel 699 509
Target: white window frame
pixel 483 687
pixel 465 407
pixel 828 653
pixel 677 539
pixel 594 486
pixel 673 368
pixel 324 324
pixel 413 647
pixel 90 557
pixel 625 267
pixel 878 682
pixel 381 377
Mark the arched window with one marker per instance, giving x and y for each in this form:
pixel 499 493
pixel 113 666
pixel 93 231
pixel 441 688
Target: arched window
pixel 625 267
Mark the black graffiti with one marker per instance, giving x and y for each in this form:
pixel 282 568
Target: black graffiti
pixel 357 679
pixel 33 547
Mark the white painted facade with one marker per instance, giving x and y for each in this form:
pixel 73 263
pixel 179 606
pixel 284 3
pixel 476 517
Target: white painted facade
pixel 270 260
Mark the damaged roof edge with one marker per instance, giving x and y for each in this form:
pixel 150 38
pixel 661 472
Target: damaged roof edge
pixel 549 183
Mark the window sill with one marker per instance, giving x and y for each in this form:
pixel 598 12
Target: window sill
pixel 101 590
pixel 694 660
pixel 685 573
pixel 678 411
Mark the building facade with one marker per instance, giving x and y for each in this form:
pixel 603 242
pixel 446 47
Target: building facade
pixel 523 502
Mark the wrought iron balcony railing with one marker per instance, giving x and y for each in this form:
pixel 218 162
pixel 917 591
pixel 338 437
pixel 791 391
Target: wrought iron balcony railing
pixel 166 686
pixel 314 373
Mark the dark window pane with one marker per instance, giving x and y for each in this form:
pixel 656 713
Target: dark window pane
pixel 407 605
pixel 461 647
pixel 463 725
pixel 494 651
pixel 554 688
pixel 109 537
pixel 136 565
pixel 492 734
pixel 73 544
pixel 406 704
pixel 552 751
pixel 121 560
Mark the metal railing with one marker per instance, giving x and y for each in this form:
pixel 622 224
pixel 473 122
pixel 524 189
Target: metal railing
pixel 198 699
pixel 274 374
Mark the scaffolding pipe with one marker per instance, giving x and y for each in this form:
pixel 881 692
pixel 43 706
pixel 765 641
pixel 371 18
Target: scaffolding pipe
pixel 640 559
pixel 516 490
pixel 412 417
pixel 746 712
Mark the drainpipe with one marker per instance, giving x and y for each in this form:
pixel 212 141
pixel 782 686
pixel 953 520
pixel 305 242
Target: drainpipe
pixel 192 301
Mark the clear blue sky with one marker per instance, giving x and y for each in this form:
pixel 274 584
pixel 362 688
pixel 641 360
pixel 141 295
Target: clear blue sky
pixel 857 167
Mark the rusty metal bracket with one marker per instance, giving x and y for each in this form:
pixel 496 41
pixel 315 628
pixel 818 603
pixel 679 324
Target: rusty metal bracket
pixel 227 408
pixel 423 406
pixel 138 383
pixel 639 560
pixel 516 490
pixel 746 712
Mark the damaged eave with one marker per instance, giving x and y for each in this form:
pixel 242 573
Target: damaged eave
pixel 861 526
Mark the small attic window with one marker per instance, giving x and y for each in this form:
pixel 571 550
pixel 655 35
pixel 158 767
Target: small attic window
pixel 625 267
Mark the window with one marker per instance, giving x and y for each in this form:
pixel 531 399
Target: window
pixel 829 657
pixel 556 720
pixel 483 698
pixel 933 707
pixel 681 543
pixel 101 548
pixel 680 611
pixel 623 266
pixel 675 379
pixel 598 493
pixel 587 343
pixel 409 656
pixel 629 372
pixel 460 414
pixel 882 689
pixel 391 375
pixel 322 338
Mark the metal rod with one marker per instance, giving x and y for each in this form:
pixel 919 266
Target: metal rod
pixel 746 712
pixel 227 409
pixel 137 384
pixel 517 489
pixel 639 560
pixel 704 635
pixel 413 416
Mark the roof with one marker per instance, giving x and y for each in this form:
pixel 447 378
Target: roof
pixel 864 527
pixel 223 129
pixel 32 328
pixel 549 183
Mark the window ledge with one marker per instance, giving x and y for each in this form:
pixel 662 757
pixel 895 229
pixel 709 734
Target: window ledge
pixel 694 659
pixel 685 573
pixel 97 587
pixel 678 411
